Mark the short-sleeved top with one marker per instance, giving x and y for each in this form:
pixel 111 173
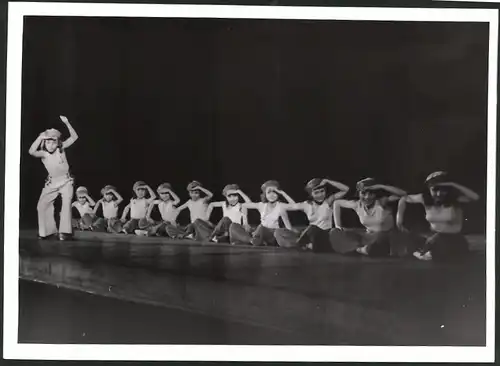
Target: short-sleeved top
pixel 56 163
pixel 138 208
pixel 375 219
pixel 443 219
pixel 269 216
pixel 198 209
pixel 83 208
pixel 167 210
pixel 318 214
pixel 234 213
pixel 109 209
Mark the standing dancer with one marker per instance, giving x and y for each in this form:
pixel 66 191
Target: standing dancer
pixel 110 203
pixel 138 208
pixel 319 211
pixel 85 206
pixel 52 151
pixel 200 227
pixel 168 211
pixel 375 214
pixel 271 210
pixel 442 200
pixel 230 227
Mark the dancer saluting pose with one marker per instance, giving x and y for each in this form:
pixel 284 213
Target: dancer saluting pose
pixel 443 201
pixel 138 208
pixel 200 227
pixel 49 147
pixel 110 203
pixel 319 211
pixel 375 214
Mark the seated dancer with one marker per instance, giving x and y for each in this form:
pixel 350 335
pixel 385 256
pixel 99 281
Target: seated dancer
pixel 85 206
pixel 271 210
pixel 52 151
pixel 200 227
pixel 319 211
pixel 375 214
pixel 138 208
pixel 168 211
pixel 110 203
pixel 442 200
pixel 230 227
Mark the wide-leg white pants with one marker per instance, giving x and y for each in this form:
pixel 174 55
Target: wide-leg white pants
pixel 53 188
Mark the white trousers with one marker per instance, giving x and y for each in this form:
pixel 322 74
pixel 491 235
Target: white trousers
pixel 53 188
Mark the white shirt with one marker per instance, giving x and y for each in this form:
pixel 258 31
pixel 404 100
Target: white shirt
pixel 444 219
pixel 83 209
pixel 375 219
pixel 269 216
pixel 198 209
pixel 167 210
pixel 234 213
pixel 109 209
pixel 138 208
pixel 56 163
pixel 319 214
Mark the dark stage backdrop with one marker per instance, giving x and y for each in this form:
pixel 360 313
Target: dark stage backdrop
pixel 244 101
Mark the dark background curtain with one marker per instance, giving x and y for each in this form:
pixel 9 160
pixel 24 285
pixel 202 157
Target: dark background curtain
pixel 244 101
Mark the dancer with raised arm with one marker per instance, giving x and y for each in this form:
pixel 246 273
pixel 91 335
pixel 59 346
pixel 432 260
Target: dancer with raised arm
pixel 138 208
pixel 443 201
pixel 230 227
pixel 85 207
pixel 200 227
pixel 319 211
pixel 379 237
pixel 52 151
pixel 271 210
pixel 110 203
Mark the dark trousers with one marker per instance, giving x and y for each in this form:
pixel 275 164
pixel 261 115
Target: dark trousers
pixel 165 228
pixel 274 237
pixel 201 229
pixel 113 225
pixel 228 231
pixel 133 224
pixel 319 238
pixel 446 247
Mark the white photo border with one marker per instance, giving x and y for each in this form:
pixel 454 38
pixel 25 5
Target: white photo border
pixel 13 350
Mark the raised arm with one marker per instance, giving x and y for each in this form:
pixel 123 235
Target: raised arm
pixel 207 192
pixel 175 198
pixel 212 205
pixel 152 194
pixel 340 186
pixel 254 205
pixel 243 195
pixel 150 209
pixel 337 206
pixel 73 136
pixel 125 212
pixel 414 198
pixel 119 198
pixel 34 148
pixel 286 196
pixel 468 195
pixel 96 207
pixel 90 200
pixel 183 206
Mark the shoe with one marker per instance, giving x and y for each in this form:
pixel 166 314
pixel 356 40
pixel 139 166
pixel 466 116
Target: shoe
pixel 362 250
pixel 189 236
pixel 65 237
pixel 427 256
pixel 48 237
pixel 214 239
pixel 141 232
pixel 308 246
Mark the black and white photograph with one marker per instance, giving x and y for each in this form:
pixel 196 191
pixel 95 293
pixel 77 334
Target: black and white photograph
pixel 187 179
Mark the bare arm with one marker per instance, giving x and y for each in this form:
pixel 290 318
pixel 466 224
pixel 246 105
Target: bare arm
pixel 286 220
pixel 96 207
pixel 396 193
pixel 34 148
pixel 293 207
pixel 337 206
pixel 183 206
pixel 340 186
pixel 212 205
pixel 254 205
pixel 152 194
pixel 468 195
pixel 243 195
pixel 207 192
pixel 415 198
pixel 286 197
pixel 150 209
pixel 244 217
pixel 119 198
pixel 73 136
pixel 90 200
pixel 125 212
pixel 175 198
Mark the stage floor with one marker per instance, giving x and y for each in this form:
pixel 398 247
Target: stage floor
pixel 333 299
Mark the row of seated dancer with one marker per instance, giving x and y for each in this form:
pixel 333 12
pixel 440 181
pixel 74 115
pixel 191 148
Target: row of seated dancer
pixel 442 198
pixel 442 201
